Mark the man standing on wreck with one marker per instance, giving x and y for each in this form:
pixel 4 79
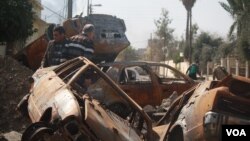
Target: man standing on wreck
pixel 56 51
pixel 82 44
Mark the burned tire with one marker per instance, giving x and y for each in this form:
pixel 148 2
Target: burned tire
pixel 120 109
pixel 36 132
pixel 22 106
pixel 176 134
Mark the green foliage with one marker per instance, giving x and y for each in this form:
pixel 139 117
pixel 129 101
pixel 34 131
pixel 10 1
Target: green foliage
pixel 16 18
pixel 206 48
pixel 164 33
pixel 162 25
pixel 174 51
pixel 195 29
pixel 129 54
pixel 225 49
pixel 244 45
pixel 207 53
pixel 206 38
pixel 240 12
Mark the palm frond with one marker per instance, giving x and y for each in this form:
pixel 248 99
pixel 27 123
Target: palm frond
pixel 227 8
pixel 234 4
pixel 188 4
pixel 232 28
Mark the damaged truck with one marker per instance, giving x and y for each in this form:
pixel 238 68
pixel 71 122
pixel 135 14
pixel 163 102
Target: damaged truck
pixel 110 39
pixel 72 102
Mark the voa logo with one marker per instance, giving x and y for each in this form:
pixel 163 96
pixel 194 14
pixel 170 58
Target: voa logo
pixel 236 132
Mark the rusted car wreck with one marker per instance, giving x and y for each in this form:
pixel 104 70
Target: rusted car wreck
pixel 147 83
pixel 71 102
pixel 61 107
pixel 199 113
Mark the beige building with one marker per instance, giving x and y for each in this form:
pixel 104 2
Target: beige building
pixel 38 23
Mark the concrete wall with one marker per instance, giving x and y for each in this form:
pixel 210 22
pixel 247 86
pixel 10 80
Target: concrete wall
pixel 231 64
pixel 183 66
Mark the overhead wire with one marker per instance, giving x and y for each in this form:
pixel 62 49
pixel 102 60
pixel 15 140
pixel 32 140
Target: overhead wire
pixel 54 12
pixel 63 9
pixel 51 10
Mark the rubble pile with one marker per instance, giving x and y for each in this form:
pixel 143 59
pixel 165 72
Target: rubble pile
pixel 157 112
pixel 165 104
pixel 13 86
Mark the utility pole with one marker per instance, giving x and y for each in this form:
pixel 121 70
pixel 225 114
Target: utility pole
pixel 164 48
pixel 88 8
pixel 150 45
pixel 70 5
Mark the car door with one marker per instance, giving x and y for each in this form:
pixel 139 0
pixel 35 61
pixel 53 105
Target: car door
pixel 136 82
pixel 171 80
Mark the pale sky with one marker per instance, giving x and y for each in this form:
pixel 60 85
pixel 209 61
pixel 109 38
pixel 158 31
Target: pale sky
pixel 139 15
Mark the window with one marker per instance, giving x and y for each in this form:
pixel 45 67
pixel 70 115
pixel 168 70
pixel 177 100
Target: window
pixel 113 73
pixel 90 82
pixel 135 74
pixel 167 74
pixel 68 69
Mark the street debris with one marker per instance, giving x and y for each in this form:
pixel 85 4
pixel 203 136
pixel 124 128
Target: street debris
pixel 14 85
pixel 11 136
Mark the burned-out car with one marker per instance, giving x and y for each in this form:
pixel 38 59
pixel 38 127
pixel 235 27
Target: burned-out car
pixel 71 102
pixel 199 113
pixel 75 102
pixel 148 83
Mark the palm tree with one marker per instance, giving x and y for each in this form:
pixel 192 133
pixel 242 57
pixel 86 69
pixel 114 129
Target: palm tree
pixel 189 5
pixel 240 12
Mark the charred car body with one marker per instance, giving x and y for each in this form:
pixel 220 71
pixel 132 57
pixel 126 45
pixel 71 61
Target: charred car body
pixel 62 108
pixel 72 102
pixel 148 83
pixel 199 113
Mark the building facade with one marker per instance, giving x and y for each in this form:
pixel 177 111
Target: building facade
pixel 39 25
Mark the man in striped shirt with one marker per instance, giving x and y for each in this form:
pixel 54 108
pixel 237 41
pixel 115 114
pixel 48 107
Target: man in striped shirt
pixel 82 44
pixel 56 52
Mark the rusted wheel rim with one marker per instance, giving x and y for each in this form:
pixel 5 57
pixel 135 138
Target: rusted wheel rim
pixel 37 132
